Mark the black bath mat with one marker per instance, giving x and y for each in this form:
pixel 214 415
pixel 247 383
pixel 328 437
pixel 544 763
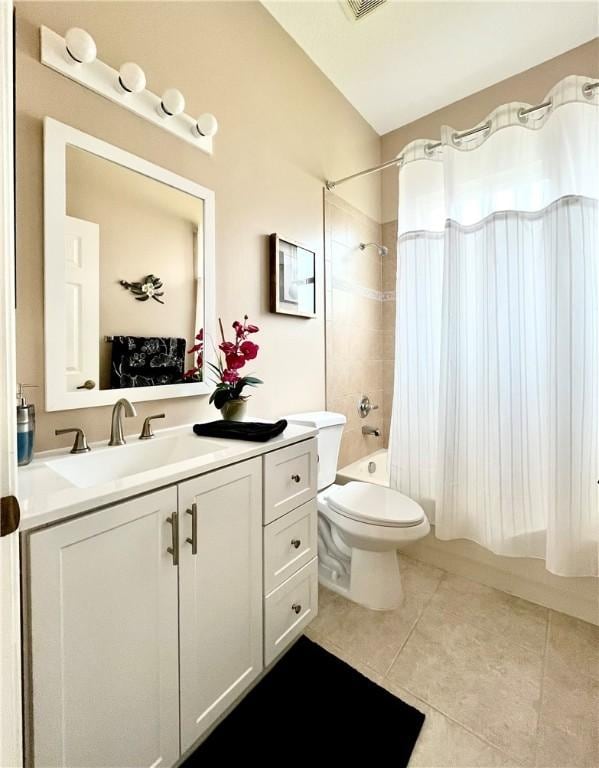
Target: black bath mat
pixel 312 706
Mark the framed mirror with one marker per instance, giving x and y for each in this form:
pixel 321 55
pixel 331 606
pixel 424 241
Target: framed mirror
pixel 128 274
pixel 292 278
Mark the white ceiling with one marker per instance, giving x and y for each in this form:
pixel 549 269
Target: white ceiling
pixel 408 59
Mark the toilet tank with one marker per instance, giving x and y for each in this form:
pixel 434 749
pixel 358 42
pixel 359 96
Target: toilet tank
pixel 330 428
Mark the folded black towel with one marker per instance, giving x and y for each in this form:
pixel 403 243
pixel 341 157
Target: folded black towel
pixel 256 431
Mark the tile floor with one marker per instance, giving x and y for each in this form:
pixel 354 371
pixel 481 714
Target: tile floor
pixel 502 682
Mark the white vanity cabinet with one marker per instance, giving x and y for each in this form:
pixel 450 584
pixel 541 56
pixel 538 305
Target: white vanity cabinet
pixel 104 638
pixel 290 545
pixel 220 596
pixel 147 619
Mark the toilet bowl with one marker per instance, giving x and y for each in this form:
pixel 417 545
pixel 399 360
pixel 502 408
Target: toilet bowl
pixel 360 525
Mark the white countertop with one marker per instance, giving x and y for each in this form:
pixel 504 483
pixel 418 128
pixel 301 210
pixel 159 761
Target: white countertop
pixel 45 496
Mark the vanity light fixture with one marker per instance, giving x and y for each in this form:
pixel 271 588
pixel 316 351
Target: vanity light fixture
pixel 80 46
pixel 131 77
pixel 74 56
pixel 172 103
pixel 206 125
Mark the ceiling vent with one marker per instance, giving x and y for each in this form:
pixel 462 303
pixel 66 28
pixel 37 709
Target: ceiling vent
pixel 358 9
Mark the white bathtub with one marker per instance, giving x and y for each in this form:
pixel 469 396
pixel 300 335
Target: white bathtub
pixel 359 470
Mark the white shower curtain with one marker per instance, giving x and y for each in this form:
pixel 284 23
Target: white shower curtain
pixel 496 403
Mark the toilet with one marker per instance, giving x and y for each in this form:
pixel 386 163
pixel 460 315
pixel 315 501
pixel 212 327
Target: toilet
pixel 360 525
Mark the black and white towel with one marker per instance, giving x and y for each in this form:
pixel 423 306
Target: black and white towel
pixel 139 361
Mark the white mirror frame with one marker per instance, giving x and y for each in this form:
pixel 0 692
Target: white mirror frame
pixel 57 137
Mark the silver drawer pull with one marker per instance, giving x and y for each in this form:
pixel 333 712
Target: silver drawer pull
pixel 296 543
pixel 194 529
pixel 296 478
pixel 296 608
pixel 173 520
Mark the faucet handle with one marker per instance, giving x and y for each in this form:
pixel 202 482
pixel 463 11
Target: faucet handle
pixel 80 445
pixel 146 431
pixel 365 406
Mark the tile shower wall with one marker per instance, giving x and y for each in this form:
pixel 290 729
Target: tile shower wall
pixel 354 324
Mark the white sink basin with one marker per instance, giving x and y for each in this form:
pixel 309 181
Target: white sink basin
pixel 118 462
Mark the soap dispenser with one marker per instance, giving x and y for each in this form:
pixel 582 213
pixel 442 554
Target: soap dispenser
pixel 25 427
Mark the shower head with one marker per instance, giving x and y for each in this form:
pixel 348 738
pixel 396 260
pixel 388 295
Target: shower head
pixel 382 249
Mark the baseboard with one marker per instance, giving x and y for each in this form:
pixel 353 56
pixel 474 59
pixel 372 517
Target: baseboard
pixel 522 577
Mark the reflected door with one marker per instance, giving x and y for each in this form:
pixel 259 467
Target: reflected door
pixel 82 308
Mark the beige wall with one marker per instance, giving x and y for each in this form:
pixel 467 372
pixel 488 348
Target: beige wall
pixel 354 321
pixel 284 128
pixel 146 227
pixel 529 86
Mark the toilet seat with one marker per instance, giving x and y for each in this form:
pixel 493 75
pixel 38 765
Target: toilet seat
pixel 375 504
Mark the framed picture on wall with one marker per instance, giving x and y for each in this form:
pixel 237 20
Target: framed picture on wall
pixel 292 277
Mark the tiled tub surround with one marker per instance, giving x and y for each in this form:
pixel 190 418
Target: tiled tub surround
pixel 354 323
pixel 503 682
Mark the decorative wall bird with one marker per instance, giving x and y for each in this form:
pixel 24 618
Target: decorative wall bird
pixel 148 288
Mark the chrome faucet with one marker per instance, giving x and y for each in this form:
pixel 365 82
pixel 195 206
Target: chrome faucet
pixel 365 406
pixel 116 432
pixel 371 431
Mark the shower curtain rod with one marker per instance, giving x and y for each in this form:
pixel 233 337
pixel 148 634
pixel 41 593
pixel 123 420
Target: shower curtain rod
pixel 330 184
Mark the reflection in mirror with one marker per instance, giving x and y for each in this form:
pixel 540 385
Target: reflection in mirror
pixel 134 249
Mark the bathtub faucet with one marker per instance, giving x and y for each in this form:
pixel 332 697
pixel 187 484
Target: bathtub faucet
pixel 371 431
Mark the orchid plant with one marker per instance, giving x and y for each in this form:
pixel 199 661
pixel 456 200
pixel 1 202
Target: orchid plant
pixel 196 372
pixel 229 383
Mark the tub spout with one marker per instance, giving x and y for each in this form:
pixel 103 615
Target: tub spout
pixel 371 431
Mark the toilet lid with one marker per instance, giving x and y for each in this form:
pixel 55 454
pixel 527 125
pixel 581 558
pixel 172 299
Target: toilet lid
pixel 375 504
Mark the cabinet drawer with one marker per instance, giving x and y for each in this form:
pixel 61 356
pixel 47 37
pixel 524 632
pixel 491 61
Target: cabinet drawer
pixel 289 543
pixel 289 609
pixel 289 479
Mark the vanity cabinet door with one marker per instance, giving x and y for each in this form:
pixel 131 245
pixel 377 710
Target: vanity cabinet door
pixel 220 597
pixel 104 639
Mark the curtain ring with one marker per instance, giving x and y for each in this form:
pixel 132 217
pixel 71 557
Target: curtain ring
pixel 587 90
pixel 522 117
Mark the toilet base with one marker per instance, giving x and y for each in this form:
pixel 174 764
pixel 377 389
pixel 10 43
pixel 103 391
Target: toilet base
pixel 374 580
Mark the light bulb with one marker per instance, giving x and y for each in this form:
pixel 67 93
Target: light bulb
pixel 172 103
pixel 206 124
pixel 131 77
pixel 80 45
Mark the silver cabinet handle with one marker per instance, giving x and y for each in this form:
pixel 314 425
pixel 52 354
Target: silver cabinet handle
pixel 194 528
pixel 173 520
pixel 296 543
pixel 296 607
pixel 296 478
